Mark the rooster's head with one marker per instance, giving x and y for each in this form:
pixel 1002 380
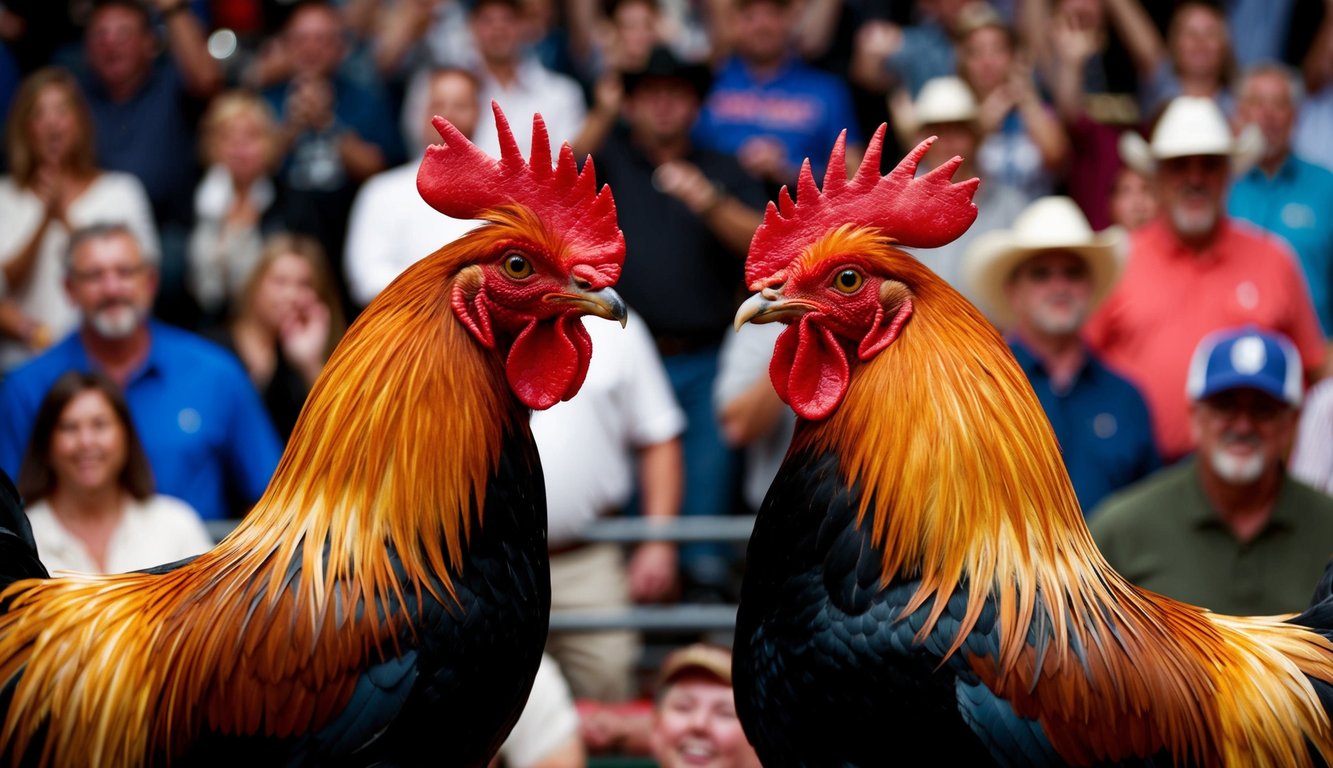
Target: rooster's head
pixel 828 266
pixel 551 253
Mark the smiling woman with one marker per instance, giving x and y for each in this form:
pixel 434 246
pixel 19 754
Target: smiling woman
pixel 89 489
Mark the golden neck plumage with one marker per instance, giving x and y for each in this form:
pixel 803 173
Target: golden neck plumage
pixel 396 441
pixel 948 441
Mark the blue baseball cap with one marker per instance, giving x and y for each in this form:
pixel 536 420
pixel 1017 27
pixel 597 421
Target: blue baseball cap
pixel 1246 358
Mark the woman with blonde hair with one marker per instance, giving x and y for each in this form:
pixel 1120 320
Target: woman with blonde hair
pixel 54 187
pixel 237 201
pixel 89 489
pixel 286 323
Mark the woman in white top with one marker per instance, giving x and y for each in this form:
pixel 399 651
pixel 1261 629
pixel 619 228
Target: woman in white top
pixel 54 187
pixel 89 489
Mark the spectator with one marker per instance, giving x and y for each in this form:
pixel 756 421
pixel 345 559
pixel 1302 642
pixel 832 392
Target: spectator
pixel 1040 280
pixel 236 204
pixel 769 109
pixel 513 77
pixel 55 186
pixel 286 324
pixel 1312 458
pixel 1193 270
pixel 1133 201
pixel 630 36
pixel 688 215
pixel 89 490
pixel 335 131
pixel 889 57
pixel 1197 60
pixel 1023 145
pixel 695 720
pixel 1092 79
pixel 391 227
pixel 204 430
pixel 1285 195
pixel 1314 122
pixel 623 426
pixel 547 732
pixel 143 106
pixel 1229 529
pixel 947 109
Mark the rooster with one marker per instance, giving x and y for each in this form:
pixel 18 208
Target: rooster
pixel 920 586
pixel 387 599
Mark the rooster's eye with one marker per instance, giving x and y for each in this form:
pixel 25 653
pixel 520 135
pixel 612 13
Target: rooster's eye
pixel 516 266
pixel 848 281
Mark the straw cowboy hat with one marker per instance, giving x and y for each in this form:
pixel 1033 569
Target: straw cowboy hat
pixel 1192 125
pixel 944 100
pixel 1047 224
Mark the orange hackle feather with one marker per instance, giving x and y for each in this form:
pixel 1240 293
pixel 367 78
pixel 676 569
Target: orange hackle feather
pixel 963 485
pixel 393 450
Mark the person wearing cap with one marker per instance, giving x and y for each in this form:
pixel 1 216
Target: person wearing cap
pixel 1038 281
pixel 688 214
pixel 770 109
pixel 694 722
pixel 1193 270
pixel 1228 529
pixel 1283 194
pixel 946 108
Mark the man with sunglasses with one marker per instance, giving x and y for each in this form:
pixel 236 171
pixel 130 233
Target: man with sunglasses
pixel 1039 281
pixel 1229 528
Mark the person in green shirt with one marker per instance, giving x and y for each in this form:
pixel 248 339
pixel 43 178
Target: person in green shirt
pixel 1228 528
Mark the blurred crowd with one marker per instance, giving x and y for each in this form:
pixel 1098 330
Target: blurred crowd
pixel 199 196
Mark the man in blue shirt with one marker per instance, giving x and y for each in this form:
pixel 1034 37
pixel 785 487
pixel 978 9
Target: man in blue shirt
pixel 769 109
pixel 1285 195
pixel 1041 279
pixel 206 434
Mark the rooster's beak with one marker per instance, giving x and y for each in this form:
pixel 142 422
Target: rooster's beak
pixel 769 306
pixel 604 303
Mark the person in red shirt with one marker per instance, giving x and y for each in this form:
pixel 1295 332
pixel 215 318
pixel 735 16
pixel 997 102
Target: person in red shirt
pixel 1194 270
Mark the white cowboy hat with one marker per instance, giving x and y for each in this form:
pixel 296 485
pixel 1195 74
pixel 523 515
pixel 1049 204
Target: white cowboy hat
pixel 1192 125
pixel 1047 224
pixel 945 100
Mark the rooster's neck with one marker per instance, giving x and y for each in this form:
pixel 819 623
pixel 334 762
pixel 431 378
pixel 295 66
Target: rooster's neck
pixel 397 440
pixel 961 476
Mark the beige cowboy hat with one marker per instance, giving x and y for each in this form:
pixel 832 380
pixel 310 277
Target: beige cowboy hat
pixel 944 100
pixel 1047 224
pixel 1192 125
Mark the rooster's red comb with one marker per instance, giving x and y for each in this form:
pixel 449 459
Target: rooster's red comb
pixel 924 212
pixel 460 180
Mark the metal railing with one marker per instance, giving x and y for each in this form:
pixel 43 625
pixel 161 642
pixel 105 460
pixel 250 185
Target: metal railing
pixel 680 617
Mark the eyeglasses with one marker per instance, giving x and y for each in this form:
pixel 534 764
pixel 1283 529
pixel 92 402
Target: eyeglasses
pixel 123 273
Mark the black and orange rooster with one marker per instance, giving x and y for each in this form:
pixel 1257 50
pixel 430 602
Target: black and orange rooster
pixel 387 600
pixel 920 586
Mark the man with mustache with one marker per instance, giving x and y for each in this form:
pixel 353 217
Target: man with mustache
pixel 1228 529
pixel 1194 270
pixel 1039 280
pixel 208 439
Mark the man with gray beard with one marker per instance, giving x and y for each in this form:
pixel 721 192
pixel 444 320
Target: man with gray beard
pixel 1039 280
pixel 208 439
pixel 1228 529
pixel 1194 270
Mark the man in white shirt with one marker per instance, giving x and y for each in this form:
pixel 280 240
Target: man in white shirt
pixel 391 226
pixel 621 432
pixel 518 82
